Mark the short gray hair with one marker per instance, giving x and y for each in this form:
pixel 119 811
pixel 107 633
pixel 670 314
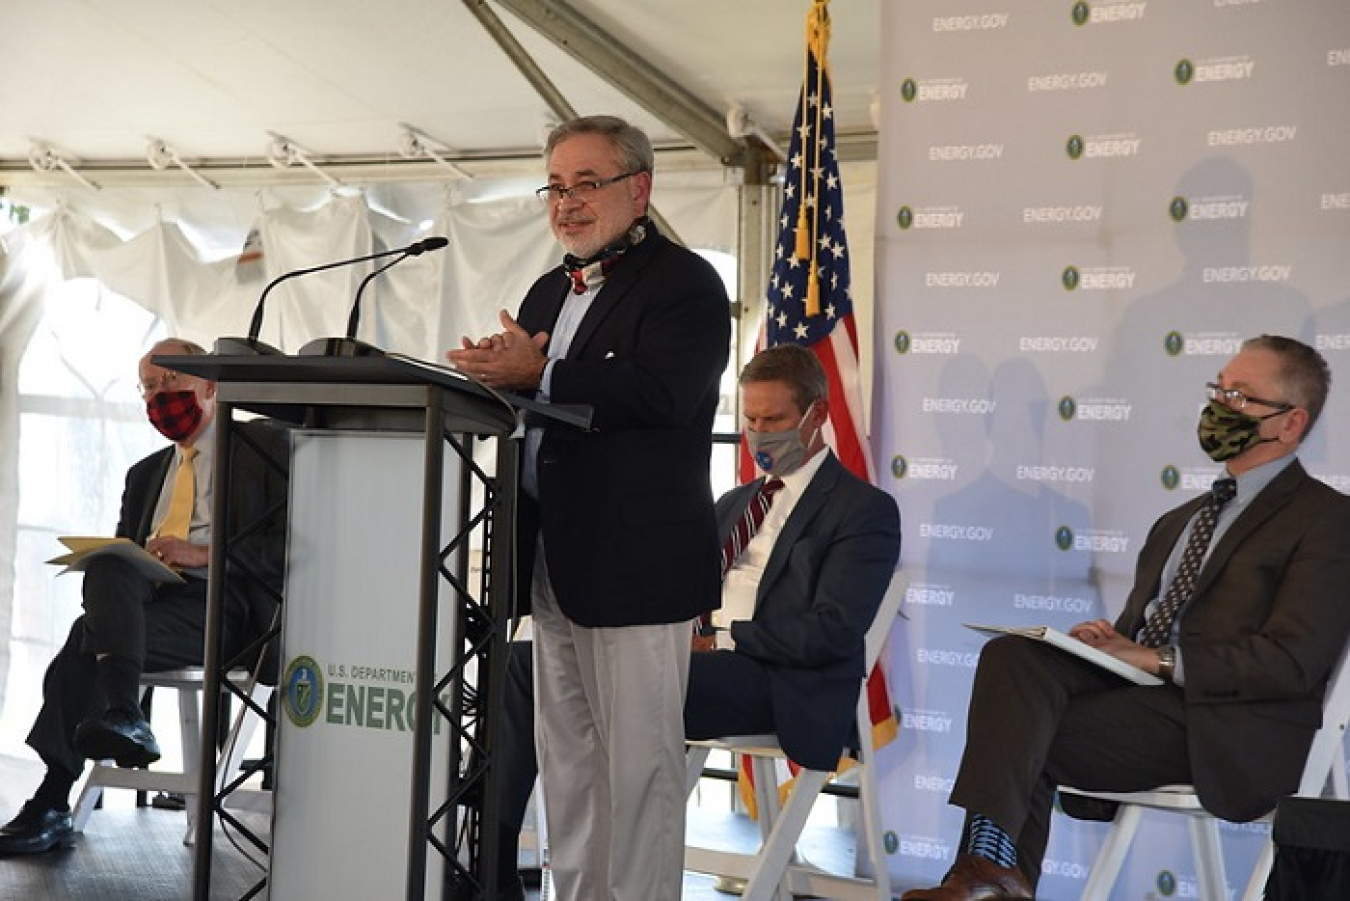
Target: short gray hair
pixel 633 148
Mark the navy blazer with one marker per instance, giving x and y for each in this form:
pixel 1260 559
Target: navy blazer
pixel 1269 618
pixel 822 585
pixel 626 509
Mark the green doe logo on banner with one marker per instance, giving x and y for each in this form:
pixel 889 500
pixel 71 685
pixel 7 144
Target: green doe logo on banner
pixel 1064 538
pixel 302 691
pixel 1184 72
pixel 1170 477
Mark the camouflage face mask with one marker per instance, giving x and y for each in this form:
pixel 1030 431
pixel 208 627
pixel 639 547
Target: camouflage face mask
pixel 1224 432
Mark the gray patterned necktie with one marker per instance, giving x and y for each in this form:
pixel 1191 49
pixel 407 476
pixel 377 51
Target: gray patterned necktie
pixel 1159 625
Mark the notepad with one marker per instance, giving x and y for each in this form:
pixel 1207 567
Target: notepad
pixel 82 549
pixel 1065 642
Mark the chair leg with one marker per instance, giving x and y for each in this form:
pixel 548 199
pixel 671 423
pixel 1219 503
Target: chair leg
pixel 90 796
pixel 1106 867
pixel 695 758
pixel 1211 880
pixel 190 735
pixel 147 711
pixel 1256 885
pixel 767 877
pixel 870 828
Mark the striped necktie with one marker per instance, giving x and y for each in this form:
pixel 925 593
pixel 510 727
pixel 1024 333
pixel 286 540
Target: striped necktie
pixel 746 527
pixel 749 523
pixel 1159 626
pixel 178 520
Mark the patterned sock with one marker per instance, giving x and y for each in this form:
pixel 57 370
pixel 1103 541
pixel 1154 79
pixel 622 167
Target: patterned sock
pixel 987 840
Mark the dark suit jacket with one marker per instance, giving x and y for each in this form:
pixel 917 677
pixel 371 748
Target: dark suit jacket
pixel 626 509
pixel 821 588
pixel 1269 619
pixel 256 488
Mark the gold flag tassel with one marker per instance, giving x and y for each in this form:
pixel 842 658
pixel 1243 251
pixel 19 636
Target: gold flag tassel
pixel 817 40
pixel 802 250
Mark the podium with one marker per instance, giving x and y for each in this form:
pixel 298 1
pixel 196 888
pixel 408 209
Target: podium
pixel 372 437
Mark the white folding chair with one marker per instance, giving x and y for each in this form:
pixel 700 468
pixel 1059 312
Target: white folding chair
pixel 188 684
pixel 775 871
pixel 1325 763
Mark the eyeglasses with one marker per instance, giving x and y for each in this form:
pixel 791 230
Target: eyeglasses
pixel 1236 400
pixel 582 190
pixel 166 380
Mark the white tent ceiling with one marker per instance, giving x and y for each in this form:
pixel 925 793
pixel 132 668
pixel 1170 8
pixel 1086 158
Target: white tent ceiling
pixel 91 83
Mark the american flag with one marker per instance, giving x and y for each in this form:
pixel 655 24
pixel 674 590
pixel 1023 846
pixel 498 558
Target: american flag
pixel 809 298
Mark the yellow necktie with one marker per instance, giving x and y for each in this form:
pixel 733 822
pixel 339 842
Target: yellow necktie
pixel 179 517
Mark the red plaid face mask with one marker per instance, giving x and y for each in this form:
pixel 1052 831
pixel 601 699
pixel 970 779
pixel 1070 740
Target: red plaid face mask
pixel 175 414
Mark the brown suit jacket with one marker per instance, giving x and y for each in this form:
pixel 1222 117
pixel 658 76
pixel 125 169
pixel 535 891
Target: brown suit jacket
pixel 1270 617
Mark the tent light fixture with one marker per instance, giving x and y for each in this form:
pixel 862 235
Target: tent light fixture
pixel 161 156
pixel 44 159
pixel 416 144
pixel 282 153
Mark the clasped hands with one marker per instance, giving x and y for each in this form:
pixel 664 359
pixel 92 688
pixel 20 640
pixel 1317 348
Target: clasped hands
pixel 513 359
pixel 1102 634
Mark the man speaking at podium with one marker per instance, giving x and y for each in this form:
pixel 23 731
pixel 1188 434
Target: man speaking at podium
pixel 617 533
pixel 91 692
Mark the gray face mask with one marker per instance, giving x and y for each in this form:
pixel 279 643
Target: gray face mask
pixel 778 453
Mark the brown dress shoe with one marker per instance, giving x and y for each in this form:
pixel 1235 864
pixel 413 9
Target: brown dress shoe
pixel 976 879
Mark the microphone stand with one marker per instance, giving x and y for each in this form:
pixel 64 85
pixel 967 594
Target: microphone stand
pixel 350 345
pixel 251 346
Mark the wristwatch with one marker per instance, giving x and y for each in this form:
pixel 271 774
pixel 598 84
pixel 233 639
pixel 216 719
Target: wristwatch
pixel 1167 662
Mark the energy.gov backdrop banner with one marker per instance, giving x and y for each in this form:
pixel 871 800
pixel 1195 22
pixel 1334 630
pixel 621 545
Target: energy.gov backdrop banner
pixel 1083 208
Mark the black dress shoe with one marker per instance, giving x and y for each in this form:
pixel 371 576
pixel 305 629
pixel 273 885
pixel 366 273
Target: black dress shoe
pixel 36 829
pixel 119 736
pixel 169 801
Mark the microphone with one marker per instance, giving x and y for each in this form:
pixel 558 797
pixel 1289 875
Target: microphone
pixel 252 346
pixel 350 345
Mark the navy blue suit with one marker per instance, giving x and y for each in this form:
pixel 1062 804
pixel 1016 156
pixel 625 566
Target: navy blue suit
pixel 626 509
pixel 799 661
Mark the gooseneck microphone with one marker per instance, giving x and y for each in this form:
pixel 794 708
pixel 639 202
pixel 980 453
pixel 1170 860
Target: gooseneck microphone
pixel 421 247
pixel 350 346
pixel 251 344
